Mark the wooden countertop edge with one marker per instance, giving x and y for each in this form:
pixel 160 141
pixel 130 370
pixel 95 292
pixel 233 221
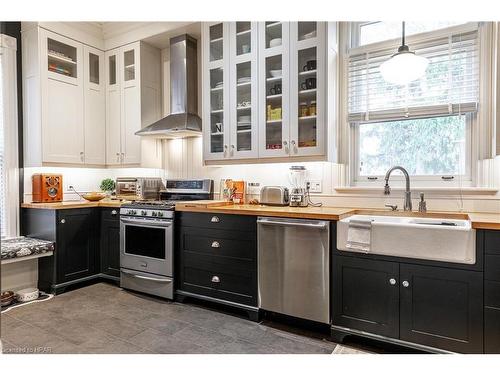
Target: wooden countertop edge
pixel 69 205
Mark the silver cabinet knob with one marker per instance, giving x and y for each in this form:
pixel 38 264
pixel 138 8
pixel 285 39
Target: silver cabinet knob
pixel 214 219
pixel 215 279
pixel 82 156
pixel 294 145
pixel 118 157
pixel 114 212
pixel 63 221
pixel 392 281
pixel 406 284
pixel 216 244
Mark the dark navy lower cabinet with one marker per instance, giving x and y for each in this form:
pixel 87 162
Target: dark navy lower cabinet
pixel 428 306
pixel 492 292
pixel 441 308
pixel 110 242
pixel 366 295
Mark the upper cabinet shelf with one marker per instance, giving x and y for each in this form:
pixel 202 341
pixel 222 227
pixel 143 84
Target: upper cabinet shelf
pixel 264 90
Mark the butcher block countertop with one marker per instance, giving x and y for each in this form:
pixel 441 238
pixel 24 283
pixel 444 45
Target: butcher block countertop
pixel 480 220
pixel 74 204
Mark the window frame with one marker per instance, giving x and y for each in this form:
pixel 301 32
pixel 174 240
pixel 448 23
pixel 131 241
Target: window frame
pixel 478 125
pixel 463 180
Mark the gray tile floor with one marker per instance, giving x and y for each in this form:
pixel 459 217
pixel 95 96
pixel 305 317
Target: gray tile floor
pixel 103 318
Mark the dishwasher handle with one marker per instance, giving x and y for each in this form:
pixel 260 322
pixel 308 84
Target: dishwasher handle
pixel 316 225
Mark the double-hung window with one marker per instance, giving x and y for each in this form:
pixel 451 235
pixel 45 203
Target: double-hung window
pixel 9 173
pixel 427 125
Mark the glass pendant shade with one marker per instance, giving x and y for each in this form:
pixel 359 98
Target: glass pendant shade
pixel 404 66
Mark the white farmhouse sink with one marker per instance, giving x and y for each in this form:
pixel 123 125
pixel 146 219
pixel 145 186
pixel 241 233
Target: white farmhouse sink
pixel 446 240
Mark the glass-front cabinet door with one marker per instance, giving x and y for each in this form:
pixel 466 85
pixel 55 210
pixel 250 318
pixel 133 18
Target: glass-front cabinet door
pixel 274 93
pixel 243 90
pixel 64 58
pixel 216 90
pixel 308 87
pixel 131 64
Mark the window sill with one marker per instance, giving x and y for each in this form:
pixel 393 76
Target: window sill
pixel 441 190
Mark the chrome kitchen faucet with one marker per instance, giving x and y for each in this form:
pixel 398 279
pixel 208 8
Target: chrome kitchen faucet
pixel 387 188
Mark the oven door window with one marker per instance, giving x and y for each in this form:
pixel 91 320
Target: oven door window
pixel 145 241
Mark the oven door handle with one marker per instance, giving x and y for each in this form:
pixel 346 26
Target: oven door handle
pixel 133 274
pixel 166 223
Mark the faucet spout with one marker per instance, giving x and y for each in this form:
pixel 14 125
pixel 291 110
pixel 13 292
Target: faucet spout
pixel 387 190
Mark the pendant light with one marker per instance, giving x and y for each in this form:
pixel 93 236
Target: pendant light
pixel 404 66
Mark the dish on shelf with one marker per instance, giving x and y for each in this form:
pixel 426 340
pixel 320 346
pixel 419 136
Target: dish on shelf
pixel 244 118
pixel 275 42
pixel 244 126
pixel 218 85
pixel 276 72
pixel 60 55
pixel 310 35
pixel 244 79
pixel 28 294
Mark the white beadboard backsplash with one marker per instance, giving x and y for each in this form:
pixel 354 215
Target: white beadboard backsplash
pixel 85 179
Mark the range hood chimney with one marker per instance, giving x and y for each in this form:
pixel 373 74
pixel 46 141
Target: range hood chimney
pixel 183 121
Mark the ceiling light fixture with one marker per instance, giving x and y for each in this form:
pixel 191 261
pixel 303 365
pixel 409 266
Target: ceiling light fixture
pixel 404 66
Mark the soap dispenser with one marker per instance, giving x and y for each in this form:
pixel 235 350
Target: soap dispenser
pixel 422 205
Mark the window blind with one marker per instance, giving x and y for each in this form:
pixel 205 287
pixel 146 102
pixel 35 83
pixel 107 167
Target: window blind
pixel 450 85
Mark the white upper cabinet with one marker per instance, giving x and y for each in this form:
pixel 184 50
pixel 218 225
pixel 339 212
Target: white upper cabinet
pixel 95 108
pixel 63 101
pixel 83 106
pixel 264 90
pixel 307 88
pixel 216 89
pixel 133 101
pixel 243 90
pixel 274 89
pixel 113 107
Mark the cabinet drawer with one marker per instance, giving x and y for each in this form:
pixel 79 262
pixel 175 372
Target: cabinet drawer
pixel 492 294
pixel 217 244
pixel 492 242
pixel 230 266
pixel 492 267
pixel 219 221
pixel 491 330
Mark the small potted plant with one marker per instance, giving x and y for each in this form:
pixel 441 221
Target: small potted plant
pixel 108 186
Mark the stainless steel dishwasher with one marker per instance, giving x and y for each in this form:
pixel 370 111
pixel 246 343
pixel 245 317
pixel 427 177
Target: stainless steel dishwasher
pixel 294 273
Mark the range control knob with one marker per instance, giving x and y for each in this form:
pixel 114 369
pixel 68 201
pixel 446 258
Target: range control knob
pixel 154 213
pixel 144 213
pixel 160 214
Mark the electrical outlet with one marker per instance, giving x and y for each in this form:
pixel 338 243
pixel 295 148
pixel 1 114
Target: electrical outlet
pixel 315 186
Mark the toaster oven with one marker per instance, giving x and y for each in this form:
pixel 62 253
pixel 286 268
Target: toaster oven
pixel 139 188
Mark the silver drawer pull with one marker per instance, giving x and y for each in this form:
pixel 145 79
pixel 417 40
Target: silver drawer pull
pixel 63 221
pixel 215 279
pixel 215 244
pixel 214 219
pixel 113 212
pixel 392 281
pixel 406 284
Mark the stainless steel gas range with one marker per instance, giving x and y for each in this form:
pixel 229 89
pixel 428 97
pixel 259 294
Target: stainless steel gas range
pixel 147 237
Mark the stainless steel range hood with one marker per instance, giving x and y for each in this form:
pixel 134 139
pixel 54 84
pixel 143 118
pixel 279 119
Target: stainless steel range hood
pixel 183 121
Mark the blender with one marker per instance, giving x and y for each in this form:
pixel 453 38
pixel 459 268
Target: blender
pixel 298 193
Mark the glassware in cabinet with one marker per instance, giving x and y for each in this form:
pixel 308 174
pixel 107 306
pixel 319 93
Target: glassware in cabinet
pixel 62 58
pixel 216 40
pixel 308 75
pixel 217 110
